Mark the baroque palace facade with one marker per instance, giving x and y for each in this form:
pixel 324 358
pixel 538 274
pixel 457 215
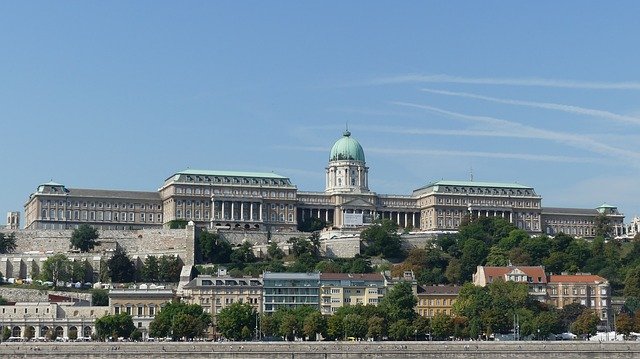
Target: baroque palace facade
pixel 268 201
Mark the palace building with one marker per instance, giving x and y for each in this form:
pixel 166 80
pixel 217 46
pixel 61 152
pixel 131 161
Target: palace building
pixel 269 201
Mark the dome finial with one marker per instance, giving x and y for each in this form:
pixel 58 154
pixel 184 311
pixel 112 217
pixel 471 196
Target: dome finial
pixel 346 132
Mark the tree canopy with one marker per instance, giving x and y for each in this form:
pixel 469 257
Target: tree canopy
pixel 7 242
pixel 382 238
pixel 180 320
pixel 232 320
pixel 114 326
pixel 121 268
pixel 84 237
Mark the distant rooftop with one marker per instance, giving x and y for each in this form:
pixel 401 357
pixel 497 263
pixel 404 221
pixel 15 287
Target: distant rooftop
pixel 477 184
pixel 230 174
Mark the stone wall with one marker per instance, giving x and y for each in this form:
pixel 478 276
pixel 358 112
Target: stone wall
pixel 13 294
pixel 35 246
pixel 324 350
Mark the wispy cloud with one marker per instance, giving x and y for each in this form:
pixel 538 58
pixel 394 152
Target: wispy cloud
pixel 523 131
pixel 537 82
pixel 544 105
pixel 421 152
pixel 502 155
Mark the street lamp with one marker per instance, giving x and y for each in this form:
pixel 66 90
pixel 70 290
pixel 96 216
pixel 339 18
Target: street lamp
pixel 415 335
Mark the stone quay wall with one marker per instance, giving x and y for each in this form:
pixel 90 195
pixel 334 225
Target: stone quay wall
pixel 321 350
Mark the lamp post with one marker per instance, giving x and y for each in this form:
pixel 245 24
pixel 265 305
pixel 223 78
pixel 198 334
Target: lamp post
pixel 415 335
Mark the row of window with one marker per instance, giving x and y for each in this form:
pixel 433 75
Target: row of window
pixel 487 202
pixel 61 215
pixel 489 191
pixel 235 192
pixel 431 302
pixel 238 180
pixel 77 204
pixel 138 311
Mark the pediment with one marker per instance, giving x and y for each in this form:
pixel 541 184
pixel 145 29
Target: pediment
pixel 359 203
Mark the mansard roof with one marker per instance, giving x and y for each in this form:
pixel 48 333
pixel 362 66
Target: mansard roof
pixel 568 211
pixel 229 174
pixel 114 194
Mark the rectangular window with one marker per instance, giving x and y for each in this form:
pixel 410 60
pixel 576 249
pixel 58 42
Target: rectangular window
pixel 152 311
pixel 140 311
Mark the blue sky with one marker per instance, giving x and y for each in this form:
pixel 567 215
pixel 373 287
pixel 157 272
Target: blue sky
pixel 120 95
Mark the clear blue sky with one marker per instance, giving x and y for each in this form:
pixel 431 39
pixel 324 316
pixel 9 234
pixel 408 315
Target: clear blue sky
pixel 122 94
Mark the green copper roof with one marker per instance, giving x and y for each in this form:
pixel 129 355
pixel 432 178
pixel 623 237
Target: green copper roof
pixel 230 174
pixel 606 205
pixel 346 148
pixel 477 184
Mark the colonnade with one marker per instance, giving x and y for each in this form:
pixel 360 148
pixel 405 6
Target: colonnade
pixel 42 329
pixel 475 213
pixel 237 210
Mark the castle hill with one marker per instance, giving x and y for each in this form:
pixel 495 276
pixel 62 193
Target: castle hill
pixel 238 257
pixel 319 180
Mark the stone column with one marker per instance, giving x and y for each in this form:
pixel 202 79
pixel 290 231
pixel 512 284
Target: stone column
pixel 242 211
pixel 326 215
pixel 222 215
pixel 251 210
pixel 260 211
pixel 413 219
pixel 233 205
pixel 398 218
pixel 406 218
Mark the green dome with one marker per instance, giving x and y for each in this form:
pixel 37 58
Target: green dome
pixel 346 148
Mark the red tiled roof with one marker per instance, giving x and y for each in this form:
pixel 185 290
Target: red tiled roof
pixel 576 278
pixel 534 272
pixel 350 276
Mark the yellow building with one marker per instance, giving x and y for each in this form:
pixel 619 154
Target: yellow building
pixel 213 293
pixel 342 289
pixel 436 299
pixel 141 304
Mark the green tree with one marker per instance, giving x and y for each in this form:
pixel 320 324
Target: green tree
pixel 7 242
pixel 180 320
pixel 214 249
pixel 178 224
pixel 243 255
pixel 603 226
pixel 624 324
pixel 290 326
pixel 513 240
pixel 400 330
pixel 314 324
pixel 399 303
pixel 121 268
pixel 56 268
pixel 114 326
pixel 311 224
pixel 233 318
pixel 382 238
pixel 84 237
pixel 150 270
pixel 355 326
pixel 421 326
pixel 375 327
pixel 546 323
pixel 585 324
pixel 6 333
pixel 569 313
pixel 136 335
pixel 442 326
pixel 474 253
pixel 335 327
pixel 498 256
pixel 632 283
pixel 274 252
pixel 99 297
pixel 169 268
